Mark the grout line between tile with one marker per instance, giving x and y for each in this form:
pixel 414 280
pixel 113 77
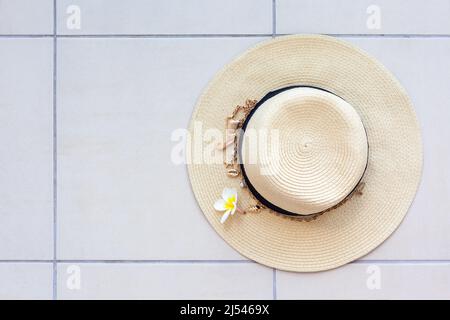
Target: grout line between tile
pixel 55 167
pixel 362 35
pixel 161 261
pixel 378 35
pixel 26 36
pixel 274 284
pixel 188 36
pixel 26 261
pixel 93 261
pixel 249 35
pixel 274 18
pixel 375 261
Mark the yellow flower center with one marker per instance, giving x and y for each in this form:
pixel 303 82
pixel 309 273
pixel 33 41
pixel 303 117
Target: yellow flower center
pixel 229 204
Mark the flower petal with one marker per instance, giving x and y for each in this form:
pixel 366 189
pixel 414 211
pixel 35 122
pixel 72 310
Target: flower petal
pixel 233 211
pixel 219 205
pixel 225 216
pixel 228 193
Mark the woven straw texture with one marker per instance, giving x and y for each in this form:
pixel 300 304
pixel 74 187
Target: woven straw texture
pixel 394 163
pixel 317 153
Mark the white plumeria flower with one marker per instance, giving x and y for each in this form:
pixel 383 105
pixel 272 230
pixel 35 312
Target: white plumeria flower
pixel 227 203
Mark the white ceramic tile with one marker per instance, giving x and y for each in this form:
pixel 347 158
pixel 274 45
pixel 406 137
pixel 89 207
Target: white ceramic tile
pixel 164 281
pixel 120 195
pixel 423 68
pixel 26 157
pixel 359 17
pixel 26 17
pixel 369 281
pixel 19 281
pixel 165 17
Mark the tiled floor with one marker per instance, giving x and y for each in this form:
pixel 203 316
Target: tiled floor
pixel 91 205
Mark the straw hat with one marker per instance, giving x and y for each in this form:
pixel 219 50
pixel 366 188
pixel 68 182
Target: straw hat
pixel 304 153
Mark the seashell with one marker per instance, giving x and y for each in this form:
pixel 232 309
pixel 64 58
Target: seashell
pixel 254 209
pixel 233 124
pixel 232 173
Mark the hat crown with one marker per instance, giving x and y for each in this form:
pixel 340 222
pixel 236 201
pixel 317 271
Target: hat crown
pixel 304 150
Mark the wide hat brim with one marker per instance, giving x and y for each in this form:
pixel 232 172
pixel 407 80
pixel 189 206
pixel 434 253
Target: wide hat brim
pixel 394 164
